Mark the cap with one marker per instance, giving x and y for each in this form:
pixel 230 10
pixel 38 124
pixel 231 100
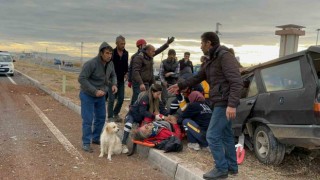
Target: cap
pixel 141 42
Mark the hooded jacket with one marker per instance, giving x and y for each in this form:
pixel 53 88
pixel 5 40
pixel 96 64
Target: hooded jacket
pixel 222 73
pixel 96 76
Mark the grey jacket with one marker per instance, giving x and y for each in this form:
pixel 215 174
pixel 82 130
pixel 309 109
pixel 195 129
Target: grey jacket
pixel 95 76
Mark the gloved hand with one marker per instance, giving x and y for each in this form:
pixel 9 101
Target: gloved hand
pixel 170 40
pixel 159 117
pixel 129 84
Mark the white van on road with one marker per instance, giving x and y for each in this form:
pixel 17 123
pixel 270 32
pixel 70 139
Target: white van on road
pixel 6 64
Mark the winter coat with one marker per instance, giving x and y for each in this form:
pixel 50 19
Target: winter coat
pixel 158 51
pixel 142 69
pixel 222 73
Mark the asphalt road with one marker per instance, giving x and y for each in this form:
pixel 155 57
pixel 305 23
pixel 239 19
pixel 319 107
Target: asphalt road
pixel 41 139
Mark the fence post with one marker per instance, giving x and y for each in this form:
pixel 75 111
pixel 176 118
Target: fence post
pixel 63 84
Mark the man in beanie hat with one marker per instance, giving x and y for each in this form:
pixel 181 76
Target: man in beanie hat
pixel 96 76
pixel 222 73
pixel 141 43
pixel 169 73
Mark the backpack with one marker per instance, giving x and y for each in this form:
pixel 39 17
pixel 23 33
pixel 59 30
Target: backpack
pixel 171 144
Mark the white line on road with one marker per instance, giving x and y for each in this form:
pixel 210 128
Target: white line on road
pixel 63 140
pixel 12 80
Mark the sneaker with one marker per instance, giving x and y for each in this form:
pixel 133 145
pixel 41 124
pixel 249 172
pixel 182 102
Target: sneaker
pixel 117 118
pixel 233 172
pixel 125 149
pixel 96 142
pixel 194 146
pixel 206 149
pixel 87 148
pixel 215 174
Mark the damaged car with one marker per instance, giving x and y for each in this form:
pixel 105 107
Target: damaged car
pixel 280 106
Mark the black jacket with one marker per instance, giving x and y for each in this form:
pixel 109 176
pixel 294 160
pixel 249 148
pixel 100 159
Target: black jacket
pixel 140 109
pixel 222 73
pixel 120 64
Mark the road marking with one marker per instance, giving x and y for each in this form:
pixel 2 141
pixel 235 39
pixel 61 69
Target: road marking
pixel 63 140
pixel 12 80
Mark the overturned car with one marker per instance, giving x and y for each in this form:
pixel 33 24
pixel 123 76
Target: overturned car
pixel 280 106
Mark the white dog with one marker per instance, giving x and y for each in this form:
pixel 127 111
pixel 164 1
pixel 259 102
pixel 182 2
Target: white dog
pixel 110 142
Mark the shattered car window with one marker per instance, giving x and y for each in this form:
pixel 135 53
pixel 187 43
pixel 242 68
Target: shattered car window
pixel 282 77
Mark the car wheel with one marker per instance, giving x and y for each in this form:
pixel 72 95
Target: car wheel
pixel 266 147
pixel 12 74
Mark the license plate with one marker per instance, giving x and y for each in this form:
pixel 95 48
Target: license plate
pixel 2 69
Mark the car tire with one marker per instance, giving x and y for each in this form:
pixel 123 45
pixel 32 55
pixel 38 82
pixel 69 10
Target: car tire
pixel 266 147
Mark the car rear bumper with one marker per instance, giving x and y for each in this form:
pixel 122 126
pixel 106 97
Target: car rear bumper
pixel 307 136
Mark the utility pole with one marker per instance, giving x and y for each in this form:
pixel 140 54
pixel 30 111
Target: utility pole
pixel 217 28
pixel 81 53
pixel 317 36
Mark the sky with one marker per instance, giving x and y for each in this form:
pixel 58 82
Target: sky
pixel 248 26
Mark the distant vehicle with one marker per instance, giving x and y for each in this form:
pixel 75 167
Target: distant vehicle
pixel 68 64
pixel 6 63
pixel 57 61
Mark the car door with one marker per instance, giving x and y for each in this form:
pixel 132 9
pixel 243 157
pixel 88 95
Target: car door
pixel 287 99
pixel 247 101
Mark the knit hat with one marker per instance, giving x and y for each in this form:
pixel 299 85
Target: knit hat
pixel 196 96
pixel 141 42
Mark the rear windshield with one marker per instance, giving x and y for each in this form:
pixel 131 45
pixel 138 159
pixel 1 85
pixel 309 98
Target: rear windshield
pixel 316 61
pixel 5 58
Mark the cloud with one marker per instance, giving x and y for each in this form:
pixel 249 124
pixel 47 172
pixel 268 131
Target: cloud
pixel 61 23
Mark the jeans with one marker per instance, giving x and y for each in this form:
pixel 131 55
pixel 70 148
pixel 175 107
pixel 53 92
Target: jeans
pixel 194 133
pixel 221 141
pixel 120 96
pixel 135 92
pixel 93 112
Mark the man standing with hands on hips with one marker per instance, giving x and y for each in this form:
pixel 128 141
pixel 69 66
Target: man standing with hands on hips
pixel 221 71
pixel 96 76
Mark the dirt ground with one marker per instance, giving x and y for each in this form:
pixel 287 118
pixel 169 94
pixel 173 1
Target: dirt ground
pixel 29 150
pixel 297 165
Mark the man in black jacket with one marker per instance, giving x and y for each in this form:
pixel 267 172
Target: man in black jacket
pixel 222 73
pixel 120 61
